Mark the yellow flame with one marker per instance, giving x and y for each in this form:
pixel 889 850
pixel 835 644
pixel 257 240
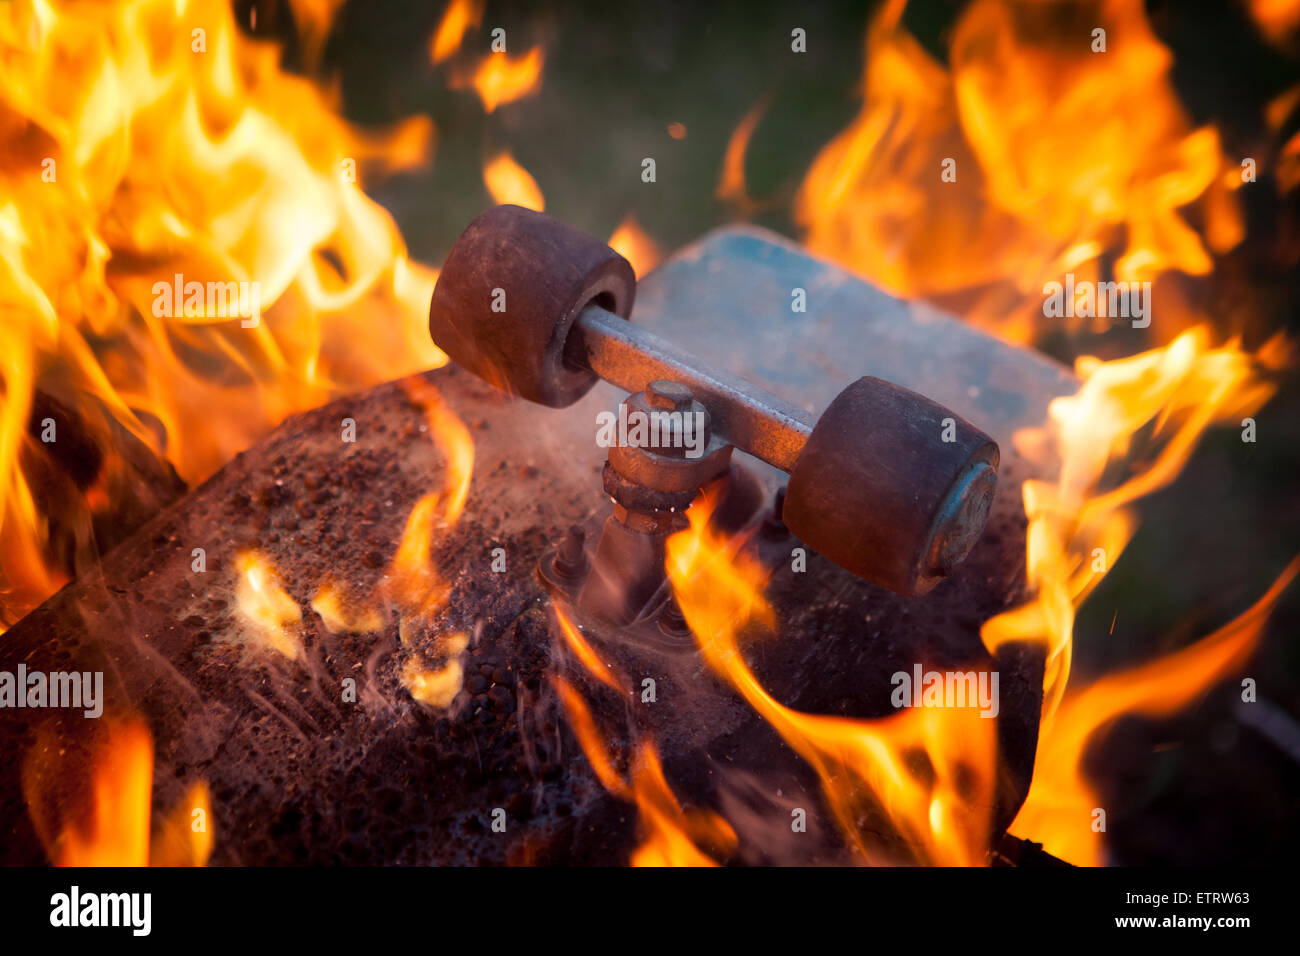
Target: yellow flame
pixel 152 139
pixel 1032 149
pixel 262 601
pixel 1077 528
pixel 437 686
pixel 341 616
pixel 508 182
pixel 941 805
pixel 1047 155
pixel 631 242
pixel 413 582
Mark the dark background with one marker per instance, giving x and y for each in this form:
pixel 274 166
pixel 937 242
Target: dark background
pixel 1203 787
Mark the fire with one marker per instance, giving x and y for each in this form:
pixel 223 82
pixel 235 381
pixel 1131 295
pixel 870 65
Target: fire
pixel 588 657
pixel 1043 155
pixel 671 836
pixel 413 583
pixel 453 438
pixel 631 242
pixel 341 616
pixel 1288 161
pixel 502 79
pixel 931 770
pixel 152 139
pixel 114 829
pixel 263 603
pixel 1079 526
pixel 1050 156
pixel 674 836
pixel 459 17
pixel 1058 810
pixel 508 182
pixel 1278 20
pixel 731 187
pixel 437 686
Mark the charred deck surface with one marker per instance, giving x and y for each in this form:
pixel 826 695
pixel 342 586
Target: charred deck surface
pixel 299 776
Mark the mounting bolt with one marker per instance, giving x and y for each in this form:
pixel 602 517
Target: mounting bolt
pixel 668 396
pixel 571 558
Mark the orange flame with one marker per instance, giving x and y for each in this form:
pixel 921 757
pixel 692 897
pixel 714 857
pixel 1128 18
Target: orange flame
pixel 1033 149
pixel 1049 153
pixel 940 805
pixel 731 187
pixel 453 438
pixel 502 79
pixel 1077 529
pixel 1277 19
pixel 156 150
pixel 672 836
pixel 412 578
pixel 114 830
pixel 587 655
pixel 508 182
pixel 1058 811
pixel 458 18
pixel 414 584
pixel 341 617
pixel 631 242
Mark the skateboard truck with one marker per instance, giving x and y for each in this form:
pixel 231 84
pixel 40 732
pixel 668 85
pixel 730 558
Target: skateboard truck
pixel 886 483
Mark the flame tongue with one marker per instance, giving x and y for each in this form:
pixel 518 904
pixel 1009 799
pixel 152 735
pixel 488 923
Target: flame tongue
pixel 930 770
pixel 157 150
pixel 1036 151
pixel 671 836
pixel 114 829
pixel 266 607
pixel 1059 810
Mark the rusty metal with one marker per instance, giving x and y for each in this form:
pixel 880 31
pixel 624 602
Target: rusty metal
pixel 899 502
pixel 875 471
pixel 563 570
pixel 652 483
pixel 666 467
pixel 905 504
pixel 509 292
pixel 749 417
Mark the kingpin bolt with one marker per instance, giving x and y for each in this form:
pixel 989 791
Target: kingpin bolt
pixel 668 396
pixel 571 558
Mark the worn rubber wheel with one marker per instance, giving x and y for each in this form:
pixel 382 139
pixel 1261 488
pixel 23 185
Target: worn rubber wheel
pixel 892 486
pixel 509 293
